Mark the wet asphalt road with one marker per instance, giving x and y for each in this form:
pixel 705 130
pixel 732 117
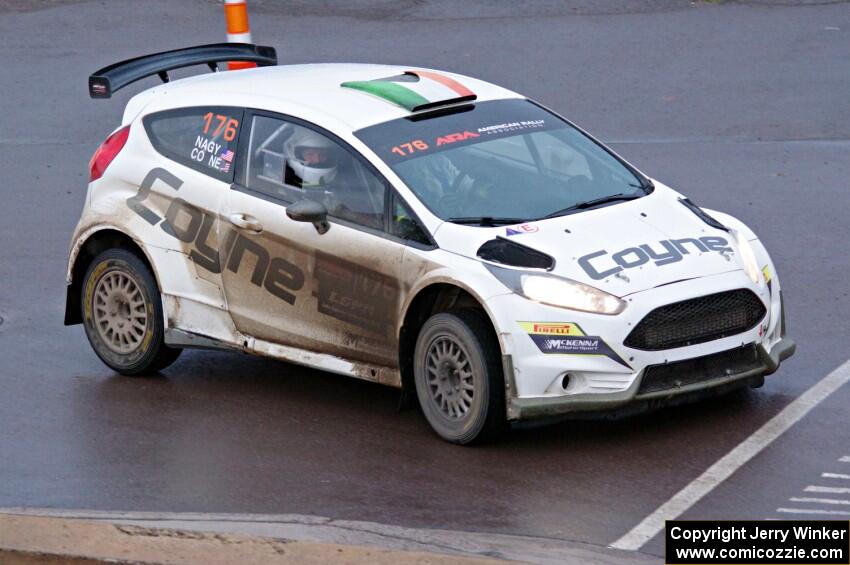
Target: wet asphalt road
pixel 744 107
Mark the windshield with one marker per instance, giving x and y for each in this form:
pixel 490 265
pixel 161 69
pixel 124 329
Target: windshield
pixel 507 160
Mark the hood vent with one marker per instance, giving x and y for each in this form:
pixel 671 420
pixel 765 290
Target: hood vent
pixel 703 215
pixel 512 254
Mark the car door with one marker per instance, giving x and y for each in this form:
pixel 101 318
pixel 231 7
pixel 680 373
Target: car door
pixel 184 189
pixel 335 292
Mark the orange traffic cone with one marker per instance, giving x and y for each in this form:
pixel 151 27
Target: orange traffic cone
pixel 238 29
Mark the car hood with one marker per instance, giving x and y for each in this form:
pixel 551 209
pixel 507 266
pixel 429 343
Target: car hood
pixel 622 248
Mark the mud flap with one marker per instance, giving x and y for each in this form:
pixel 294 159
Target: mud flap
pixel 406 399
pixel 73 315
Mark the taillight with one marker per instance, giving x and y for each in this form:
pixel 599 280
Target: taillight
pixel 107 151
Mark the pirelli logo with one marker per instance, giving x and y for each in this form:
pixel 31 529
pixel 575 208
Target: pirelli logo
pixel 551 328
pixel 567 338
pixel 562 329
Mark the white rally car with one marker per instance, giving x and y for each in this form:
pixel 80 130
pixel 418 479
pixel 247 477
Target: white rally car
pixel 416 228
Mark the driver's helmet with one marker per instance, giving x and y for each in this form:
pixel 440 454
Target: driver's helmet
pixel 312 157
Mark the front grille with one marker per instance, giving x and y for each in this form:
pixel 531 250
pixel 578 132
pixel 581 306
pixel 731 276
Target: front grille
pixel 682 373
pixel 697 320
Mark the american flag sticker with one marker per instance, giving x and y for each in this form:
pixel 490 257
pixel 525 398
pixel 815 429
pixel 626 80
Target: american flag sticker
pixel 226 160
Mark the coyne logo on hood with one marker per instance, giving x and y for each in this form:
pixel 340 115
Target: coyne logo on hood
pixel 673 251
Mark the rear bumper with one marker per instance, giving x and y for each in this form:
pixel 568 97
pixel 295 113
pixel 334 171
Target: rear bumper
pixel 631 401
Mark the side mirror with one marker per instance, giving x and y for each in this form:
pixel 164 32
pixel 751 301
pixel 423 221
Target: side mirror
pixel 309 211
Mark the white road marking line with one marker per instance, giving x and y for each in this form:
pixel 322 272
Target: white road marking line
pixel 833 490
pixel 806 511
pixel 723 468
pixel 845 459
pixel 835 476
pixel 820 500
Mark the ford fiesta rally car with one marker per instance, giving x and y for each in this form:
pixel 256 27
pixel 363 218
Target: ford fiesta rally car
pixel 416 228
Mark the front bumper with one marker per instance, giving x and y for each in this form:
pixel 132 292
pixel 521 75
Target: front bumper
pixel 611 405
pixel 612 377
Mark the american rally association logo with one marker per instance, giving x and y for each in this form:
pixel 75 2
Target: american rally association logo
pixel 568 339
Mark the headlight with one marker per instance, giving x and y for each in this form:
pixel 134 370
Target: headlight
pixel 748 257
pixel 565 293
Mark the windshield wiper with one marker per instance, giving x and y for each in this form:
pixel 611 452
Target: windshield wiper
pixel 592 203
pixel 486 221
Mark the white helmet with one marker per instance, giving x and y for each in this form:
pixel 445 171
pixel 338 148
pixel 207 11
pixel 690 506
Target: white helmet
pixel 312 157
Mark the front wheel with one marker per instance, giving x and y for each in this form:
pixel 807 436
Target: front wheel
pixel 458 374
pixel 122 314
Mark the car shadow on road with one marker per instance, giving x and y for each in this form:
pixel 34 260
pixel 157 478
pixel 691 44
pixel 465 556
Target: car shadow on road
pixel 227 380
pixel 223 432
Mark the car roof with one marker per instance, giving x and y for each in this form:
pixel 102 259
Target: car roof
pixel 314 87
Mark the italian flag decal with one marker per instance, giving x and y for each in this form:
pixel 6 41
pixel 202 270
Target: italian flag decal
pixel 415 90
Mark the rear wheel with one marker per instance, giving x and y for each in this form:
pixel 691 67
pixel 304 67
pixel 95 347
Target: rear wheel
pixel 122 314
pixel 458 374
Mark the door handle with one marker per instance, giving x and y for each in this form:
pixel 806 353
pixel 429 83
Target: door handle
pixel 246 222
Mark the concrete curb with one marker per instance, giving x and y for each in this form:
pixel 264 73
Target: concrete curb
pixel 313 529
pixel 30 540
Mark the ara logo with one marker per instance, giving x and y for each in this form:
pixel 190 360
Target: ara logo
pixel 520 229
pixel 600 264
pixel 453 137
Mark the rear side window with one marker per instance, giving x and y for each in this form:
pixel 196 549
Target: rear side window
pixel 203 138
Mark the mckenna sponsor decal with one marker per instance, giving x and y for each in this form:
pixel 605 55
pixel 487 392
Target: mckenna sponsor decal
pixel 570 345
pixel 568 339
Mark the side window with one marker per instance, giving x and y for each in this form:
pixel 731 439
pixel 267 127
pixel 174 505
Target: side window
pixel 405 225
pixel 291 162
pixel 203 138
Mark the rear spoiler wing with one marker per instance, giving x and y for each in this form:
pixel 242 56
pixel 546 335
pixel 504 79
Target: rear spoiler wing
pixel 116 76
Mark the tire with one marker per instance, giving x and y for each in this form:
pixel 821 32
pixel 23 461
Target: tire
pixel 457 352
pixel 122 314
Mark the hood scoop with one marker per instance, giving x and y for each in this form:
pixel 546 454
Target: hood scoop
pixel 507 252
